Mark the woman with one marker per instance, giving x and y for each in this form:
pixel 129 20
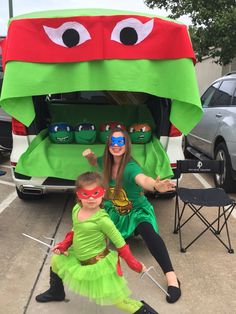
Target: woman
pixel 127 206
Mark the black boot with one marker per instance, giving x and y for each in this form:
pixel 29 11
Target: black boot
pixel 56 291
pixel 146 309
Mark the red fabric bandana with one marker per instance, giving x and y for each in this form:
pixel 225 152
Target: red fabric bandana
pixel 85 38
pixel 94 193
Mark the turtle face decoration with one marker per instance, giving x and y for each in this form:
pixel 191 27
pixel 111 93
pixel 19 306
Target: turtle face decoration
pixel 61 133
pixel 85 133
pixel 106 128
pixel 140 133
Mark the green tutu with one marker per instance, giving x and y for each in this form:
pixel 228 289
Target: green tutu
pixel 99 282
pixel 142 211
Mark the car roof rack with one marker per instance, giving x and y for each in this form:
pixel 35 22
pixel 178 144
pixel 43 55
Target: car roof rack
pixel 230 73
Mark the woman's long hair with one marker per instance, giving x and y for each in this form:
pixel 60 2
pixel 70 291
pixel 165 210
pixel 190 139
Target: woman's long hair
pixel 108 161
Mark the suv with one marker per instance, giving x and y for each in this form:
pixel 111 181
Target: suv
pixel 90 73
pixel 214 136
pixel 53 108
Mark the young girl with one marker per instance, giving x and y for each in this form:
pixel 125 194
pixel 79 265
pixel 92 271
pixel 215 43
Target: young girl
pixel 88 267
pixel 128 207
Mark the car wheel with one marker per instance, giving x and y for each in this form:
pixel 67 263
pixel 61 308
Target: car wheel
pixel 227 181
pixel 187 154
pixel 26 197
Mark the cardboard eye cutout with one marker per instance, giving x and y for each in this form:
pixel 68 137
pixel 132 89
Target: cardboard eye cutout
pixel 106 128
pixel 85 133
pixel 140 133
pixel 61 133
pixel 69 34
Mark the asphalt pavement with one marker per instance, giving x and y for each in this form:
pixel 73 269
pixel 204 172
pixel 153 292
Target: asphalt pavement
pixel 206 271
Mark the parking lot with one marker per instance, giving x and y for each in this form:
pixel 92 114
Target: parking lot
pixel 206 271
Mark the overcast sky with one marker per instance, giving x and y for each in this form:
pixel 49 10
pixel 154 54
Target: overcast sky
pixel 26 6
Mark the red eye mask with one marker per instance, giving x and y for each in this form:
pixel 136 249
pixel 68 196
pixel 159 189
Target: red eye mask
pixel 94 193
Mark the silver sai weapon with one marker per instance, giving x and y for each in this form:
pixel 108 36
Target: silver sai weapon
pixel 146 273
pixel 50 246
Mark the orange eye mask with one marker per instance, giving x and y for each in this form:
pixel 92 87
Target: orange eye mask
pixel 97 192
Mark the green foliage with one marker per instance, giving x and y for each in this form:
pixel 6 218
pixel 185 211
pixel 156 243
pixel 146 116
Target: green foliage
pixel 213 30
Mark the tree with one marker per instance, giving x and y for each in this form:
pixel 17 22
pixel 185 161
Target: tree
pixel 213 30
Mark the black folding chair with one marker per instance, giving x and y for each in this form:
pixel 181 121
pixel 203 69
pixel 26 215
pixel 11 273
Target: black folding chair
pixel 197 199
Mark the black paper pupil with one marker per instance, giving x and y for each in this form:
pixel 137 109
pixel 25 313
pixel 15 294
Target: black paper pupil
pixel 128 36
pixel 71 37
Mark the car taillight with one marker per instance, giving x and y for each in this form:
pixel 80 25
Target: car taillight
pixel 173 165
pixel 174 131
pixel 18 128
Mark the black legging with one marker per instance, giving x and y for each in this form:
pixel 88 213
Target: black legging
pixel 155 245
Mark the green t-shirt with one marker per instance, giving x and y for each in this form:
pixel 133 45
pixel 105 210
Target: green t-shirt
pixel 130 207
pixel 133 192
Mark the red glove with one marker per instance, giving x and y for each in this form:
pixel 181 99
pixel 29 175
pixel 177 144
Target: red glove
pixel 66 243
pixel 130 260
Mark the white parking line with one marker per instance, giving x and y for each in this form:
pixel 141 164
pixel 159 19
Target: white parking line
pixel 5 166
pixel 208 186
pixel 5 203
pixel 202 181
pixel 7 183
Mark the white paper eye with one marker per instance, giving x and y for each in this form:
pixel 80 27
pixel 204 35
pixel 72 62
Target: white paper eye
pixel 69 34
pixel 131 31
pixel 68 128
pixel 131 130
pixel 143 129
pixel 56 128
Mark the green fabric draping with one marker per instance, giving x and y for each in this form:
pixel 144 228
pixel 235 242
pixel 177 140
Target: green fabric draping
pixel 82 12
pixel 174 79
pixel 66 161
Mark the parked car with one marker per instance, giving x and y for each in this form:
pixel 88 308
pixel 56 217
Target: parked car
pixel 214 136
pixel 70 77
pixel 96 103
pixel 5 124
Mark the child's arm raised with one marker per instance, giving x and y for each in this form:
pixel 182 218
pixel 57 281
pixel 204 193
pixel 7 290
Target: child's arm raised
pixel 90 156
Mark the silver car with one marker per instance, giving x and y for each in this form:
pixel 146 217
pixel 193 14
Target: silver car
pixel 214 136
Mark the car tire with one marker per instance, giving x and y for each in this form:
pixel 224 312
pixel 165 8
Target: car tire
pixel 26 197
pixel 228 183
pixel 187 154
